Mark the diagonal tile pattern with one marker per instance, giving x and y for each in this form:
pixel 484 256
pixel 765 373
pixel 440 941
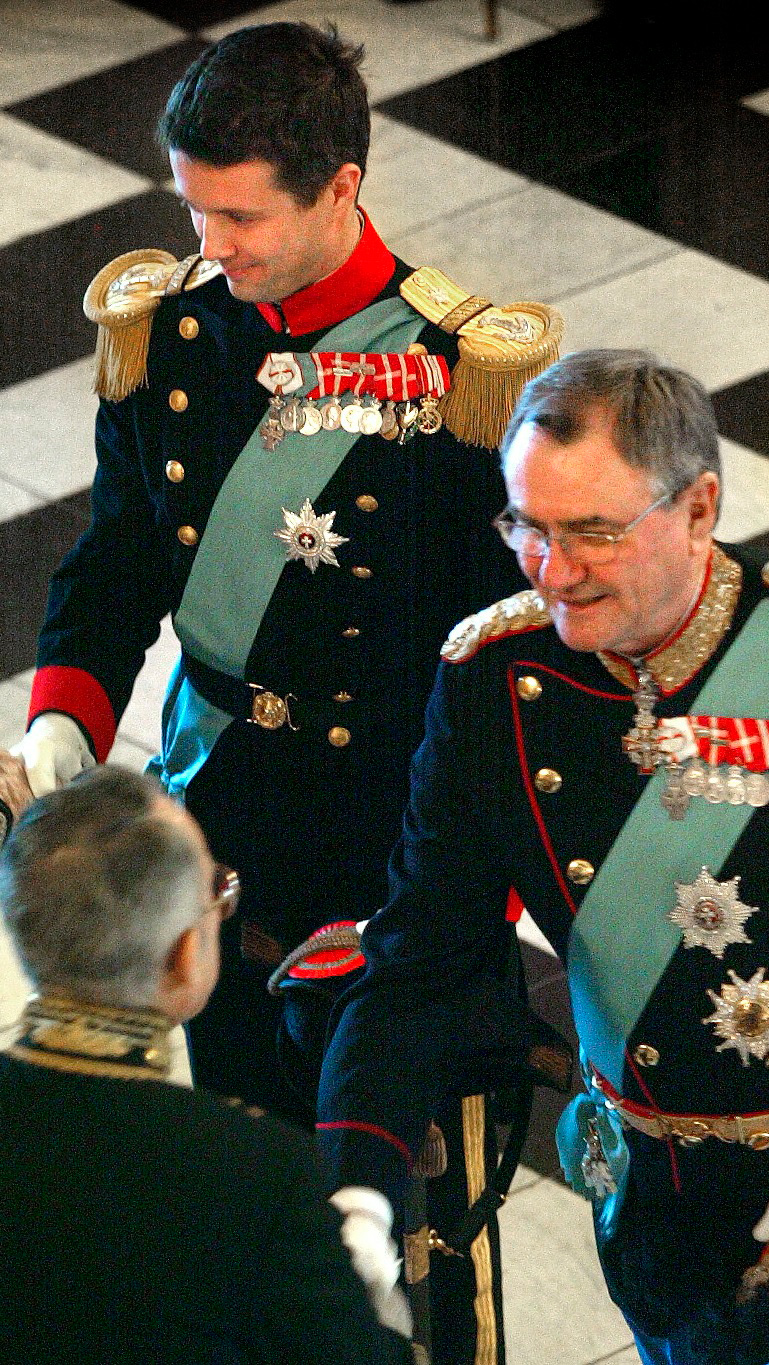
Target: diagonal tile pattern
pixel 607 158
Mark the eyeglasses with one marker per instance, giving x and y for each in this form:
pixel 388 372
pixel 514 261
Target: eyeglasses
pixel 226 891
pixel 592 547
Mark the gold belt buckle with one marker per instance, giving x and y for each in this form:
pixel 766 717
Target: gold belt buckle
pixel 269 710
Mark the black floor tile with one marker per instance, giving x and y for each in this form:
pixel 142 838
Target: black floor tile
pixel 742 412
pixel 30 549
pixel 644 122
pixel 114 112
pixel 43 278
pixel 203 13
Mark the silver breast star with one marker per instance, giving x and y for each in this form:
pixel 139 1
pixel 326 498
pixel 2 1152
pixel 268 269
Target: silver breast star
pixel 309 537
pixel 741 1016
pixel 710 913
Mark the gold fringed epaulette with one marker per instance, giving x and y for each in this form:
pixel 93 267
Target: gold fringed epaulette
pixel 523 611
pixel 122 300
pixel 500 350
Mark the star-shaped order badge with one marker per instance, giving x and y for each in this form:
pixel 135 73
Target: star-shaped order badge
pixel 710 913
pixel 309 537
pixel 741 1016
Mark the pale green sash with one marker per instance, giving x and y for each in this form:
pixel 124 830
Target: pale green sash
pixel 621 940
pixel 239 559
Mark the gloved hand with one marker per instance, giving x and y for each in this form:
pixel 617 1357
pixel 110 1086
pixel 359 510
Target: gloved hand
pixel 53 751
pixel 368 1220
pixel 15 791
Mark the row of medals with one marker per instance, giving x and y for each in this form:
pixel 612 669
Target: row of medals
pixel 394 421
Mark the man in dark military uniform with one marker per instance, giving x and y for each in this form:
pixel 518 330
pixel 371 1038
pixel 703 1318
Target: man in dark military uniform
pixel 140 1220
pixel 599 743
pixel 297 462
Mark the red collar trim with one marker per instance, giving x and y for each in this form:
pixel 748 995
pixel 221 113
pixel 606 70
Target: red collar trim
pixel 346 291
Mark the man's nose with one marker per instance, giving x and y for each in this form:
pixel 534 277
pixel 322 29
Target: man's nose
pixel 557 569
pixel 215 244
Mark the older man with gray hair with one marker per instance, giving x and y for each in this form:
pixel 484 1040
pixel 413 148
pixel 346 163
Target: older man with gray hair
pixel 140 1220
pixel 598 745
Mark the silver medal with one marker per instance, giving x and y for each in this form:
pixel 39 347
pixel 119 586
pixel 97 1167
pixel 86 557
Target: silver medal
pixel 308 536
pixel 291 417
pixel 313 421
pixel 351 415
pixel 741 1016
pixel 710 913
pixel 331 415
pixel 370 418
pixel 756 789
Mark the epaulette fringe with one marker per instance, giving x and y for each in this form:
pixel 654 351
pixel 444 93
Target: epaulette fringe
pixel 524 611
pixel 500 350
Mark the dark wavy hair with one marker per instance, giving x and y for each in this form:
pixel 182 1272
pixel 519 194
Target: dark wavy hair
pixel 288 94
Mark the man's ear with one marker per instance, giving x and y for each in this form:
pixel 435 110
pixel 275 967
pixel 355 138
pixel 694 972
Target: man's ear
pixel 180 976
pixel 345 184
pixel 703 500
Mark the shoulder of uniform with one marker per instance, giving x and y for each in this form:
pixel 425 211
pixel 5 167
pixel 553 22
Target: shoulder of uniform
pixel 765 574
pixel 500 349
pixel 524 611
pixel 122 299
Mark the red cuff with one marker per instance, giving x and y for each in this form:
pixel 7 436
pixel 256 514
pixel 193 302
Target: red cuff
pixel 76 693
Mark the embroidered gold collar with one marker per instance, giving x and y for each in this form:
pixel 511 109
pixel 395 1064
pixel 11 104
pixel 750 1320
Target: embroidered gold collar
pixel 673 664
pixel 94 1040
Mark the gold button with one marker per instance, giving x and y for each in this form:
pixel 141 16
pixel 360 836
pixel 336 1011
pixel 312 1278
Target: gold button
pixel 351 633
pixel 765 573
pixel 268 710
pixel 361 571
pixel 174 471
pixel 759 1141
pixel 189 328
pixel 548 780
pixel 366 502
pixel 188 535
pixel 646 1055
pixel 178 400
pixel 580 871
pixel 528 688
pixel 342 696
pixel 338 736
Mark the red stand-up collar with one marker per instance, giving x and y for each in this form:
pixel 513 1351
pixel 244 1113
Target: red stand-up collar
pixel 344 292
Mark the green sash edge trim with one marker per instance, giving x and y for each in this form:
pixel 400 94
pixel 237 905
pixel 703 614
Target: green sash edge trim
pixel 228 591
pixel 621 940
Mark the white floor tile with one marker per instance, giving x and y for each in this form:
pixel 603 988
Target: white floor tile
pixel 413 179
pixel 140 725
pixel 46 44
pixel 45 181
pixel 534 244
pixel 710 318
pixel 558 14
pixel 524 1179
pixel 405 46
pixel 555 1302
pixel 745 509
pixel 46 431
pixel 15 501
pixel 14 704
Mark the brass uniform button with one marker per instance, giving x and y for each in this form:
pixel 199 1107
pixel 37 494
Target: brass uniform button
pixel 759 1141
pixel 646 1055
pixel 188 535
pixel 528 688
pixel 580 871
pixel 174 471
pixel 338 736
pixel 351 633
pixel 361 571
pixel 189 328
pixel 342 696
pixel 268 710
pixel 548 780
pixel 178 400
pixel 765 573
pixel 366 502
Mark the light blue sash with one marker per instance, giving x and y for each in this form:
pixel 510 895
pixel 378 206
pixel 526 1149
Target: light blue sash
pixel 621 940
pixel 239 559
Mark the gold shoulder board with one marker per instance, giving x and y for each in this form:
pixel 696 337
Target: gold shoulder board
pixel 122 300
pixel 512 614
pixel 500 350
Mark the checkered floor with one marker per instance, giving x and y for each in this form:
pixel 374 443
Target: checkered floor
pixel 609 159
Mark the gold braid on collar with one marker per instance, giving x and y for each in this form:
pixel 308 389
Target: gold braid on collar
pixel 672 665
pixel 94 1040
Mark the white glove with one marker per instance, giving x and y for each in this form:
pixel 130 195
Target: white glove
pixel 368 1219
pixel 677 738
pixel 761 1230
pixel 53 751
